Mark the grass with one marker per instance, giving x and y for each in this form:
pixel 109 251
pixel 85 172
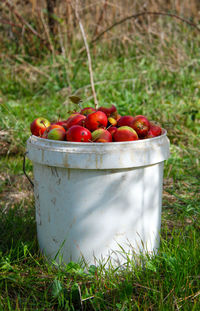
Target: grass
pixel 136 84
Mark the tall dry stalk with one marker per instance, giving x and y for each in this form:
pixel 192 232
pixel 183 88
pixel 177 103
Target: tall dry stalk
pixel 88 53
pixel 51 4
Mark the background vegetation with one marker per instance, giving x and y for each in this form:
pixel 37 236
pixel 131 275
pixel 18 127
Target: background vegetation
pixel 145 65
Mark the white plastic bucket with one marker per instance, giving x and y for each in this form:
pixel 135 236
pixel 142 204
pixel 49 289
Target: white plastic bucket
pixel 98 201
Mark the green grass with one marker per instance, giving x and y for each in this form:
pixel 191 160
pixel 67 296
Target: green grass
pixel 136 85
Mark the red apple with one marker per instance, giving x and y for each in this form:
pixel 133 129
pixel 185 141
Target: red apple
pixel 125 133
pixel 39 125
pixel 108 110
pixel 57 134
pixel 63 123
pixel 112 130
pixel 58 122
pixel 79 133
pixel 154 131
pixel 125 121
pixel 141 125
pixel 77 119
pixel 87 110
pixel 51 127
pixel 96 120
pixel 101 136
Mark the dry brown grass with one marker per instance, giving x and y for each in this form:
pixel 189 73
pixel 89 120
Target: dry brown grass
pixel 26 21
pixel 8 144
pixel 16 190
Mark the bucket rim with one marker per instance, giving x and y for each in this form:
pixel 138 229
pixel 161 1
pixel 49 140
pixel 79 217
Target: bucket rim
pixel 70 143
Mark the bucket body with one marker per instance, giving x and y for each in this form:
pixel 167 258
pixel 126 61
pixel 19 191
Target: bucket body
pixel 98 201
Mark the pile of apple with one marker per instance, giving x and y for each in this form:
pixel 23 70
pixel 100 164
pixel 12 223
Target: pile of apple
pixel 100 125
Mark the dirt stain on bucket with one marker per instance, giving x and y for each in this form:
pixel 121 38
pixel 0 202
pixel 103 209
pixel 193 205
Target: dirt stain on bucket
pixel 53 201
pixel 65 160
pixel 68 173
pixel 49 218
pixel 42 155
pixel 96 160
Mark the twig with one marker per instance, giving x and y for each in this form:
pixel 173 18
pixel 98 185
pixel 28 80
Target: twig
pixel 141 14
pixel 88 55
pixel 8 22
pixel 23 21
pixel 48 35
pixel 190 296
pixel 91 297
pixel 42 73
pixel 104 82
pixel 168 294
pixel 146 287
pixel 176 304
pixel 80 296
pixel 100 19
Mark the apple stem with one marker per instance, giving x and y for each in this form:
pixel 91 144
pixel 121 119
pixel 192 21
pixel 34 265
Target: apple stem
pixel 79 104
pixel 43 123
pixel 109 126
